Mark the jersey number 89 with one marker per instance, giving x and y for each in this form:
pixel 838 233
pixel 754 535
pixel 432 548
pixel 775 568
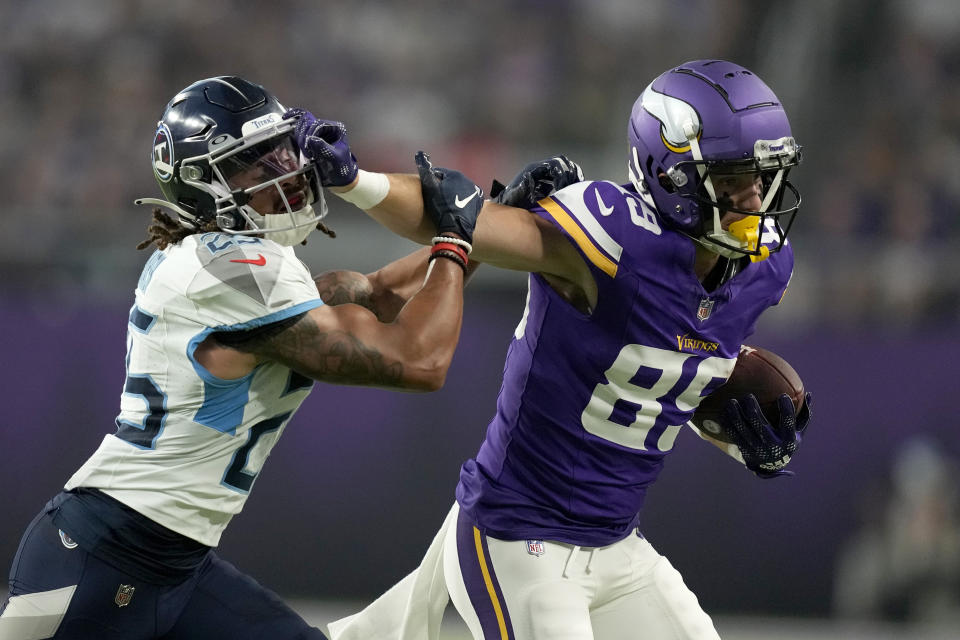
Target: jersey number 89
pixel 650 430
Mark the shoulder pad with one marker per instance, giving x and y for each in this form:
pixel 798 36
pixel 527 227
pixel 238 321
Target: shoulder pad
pixel 603 219
pixel 248 277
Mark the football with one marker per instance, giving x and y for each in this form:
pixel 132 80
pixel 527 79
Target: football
pixel 760 372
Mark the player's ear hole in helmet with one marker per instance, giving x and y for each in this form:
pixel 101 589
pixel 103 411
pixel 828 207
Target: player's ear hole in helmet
pixel 707 118
pixel 225 159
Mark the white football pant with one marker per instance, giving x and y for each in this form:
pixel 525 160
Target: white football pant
pixel 535 590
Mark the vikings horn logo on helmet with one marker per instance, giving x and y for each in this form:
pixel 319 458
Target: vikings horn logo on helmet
pixel 673 114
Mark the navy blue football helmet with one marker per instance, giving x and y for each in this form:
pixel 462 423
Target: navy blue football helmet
pixel 223 152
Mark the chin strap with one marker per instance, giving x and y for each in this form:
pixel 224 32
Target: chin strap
pixel 634 172
pixel 690 131
pixel 772 191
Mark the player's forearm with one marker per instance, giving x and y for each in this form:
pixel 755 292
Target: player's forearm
pixel 384 292
pixel 730 449
pixel 393 285
pixel 400 209
pixel 505 237
pixel 429 325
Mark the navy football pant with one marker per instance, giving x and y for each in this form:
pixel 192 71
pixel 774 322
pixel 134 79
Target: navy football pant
pixel 65 593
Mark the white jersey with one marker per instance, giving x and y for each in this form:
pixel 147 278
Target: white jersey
pixel 189 445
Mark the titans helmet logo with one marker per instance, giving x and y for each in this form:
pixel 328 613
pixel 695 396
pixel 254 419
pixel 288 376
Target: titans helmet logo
pixel 163 154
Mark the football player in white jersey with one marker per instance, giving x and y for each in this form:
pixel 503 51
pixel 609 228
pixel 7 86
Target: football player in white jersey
pixel 226 336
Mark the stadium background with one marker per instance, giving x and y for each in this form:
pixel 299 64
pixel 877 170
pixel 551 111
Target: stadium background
pixel 355 490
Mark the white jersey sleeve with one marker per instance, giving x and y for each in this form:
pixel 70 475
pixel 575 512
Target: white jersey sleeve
pixel 189 445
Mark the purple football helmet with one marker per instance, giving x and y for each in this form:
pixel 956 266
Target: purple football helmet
pixel 710 117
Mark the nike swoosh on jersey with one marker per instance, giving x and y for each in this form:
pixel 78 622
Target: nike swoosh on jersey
pixel 462 203
pixel 604 209
pixel 260 261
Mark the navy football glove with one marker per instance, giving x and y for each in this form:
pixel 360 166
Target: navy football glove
pixel 766 449
pixel 537 181
pixel 452 200
pixel 325 143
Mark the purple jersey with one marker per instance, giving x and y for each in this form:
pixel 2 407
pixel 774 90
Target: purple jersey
pixel 591 404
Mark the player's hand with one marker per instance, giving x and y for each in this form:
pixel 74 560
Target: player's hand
pixel 451 199
pixel 766 449
pixel 537 181
pixel 325 143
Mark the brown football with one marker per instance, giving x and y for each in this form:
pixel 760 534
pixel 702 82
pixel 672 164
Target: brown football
pixel 760 372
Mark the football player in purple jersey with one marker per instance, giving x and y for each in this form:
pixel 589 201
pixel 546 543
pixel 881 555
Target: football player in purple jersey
pixel 640 297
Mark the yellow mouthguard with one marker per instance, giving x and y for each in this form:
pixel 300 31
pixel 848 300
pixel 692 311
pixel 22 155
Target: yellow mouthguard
pixel 747 231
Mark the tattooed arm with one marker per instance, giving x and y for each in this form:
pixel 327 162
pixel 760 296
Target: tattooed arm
pixel 343 287
pixel 347 344
pixel 385 291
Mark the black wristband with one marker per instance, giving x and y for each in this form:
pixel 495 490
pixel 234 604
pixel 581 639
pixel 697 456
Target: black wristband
pixel 449 255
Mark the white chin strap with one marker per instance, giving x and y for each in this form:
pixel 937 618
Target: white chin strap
pixel 690 131
pixel 633 171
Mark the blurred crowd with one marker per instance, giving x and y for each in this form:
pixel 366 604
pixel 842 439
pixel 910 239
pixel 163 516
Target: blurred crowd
pixel 903 563
pixel 872 88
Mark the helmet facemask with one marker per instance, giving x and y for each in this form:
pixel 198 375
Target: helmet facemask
pixel 257 184
pixel 261 184
pixel 771 161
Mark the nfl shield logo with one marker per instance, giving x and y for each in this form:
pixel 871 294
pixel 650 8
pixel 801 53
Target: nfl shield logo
pixel 703 311
pixel 124 595
pixel 535 547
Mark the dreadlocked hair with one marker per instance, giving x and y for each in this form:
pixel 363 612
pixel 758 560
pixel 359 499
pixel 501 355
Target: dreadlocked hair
pixel 165 231
pixel 325 229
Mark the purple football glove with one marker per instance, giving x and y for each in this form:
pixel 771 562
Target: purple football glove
pixel 325 143
pixel 451 199
pixel 766 449
pixel 537 181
